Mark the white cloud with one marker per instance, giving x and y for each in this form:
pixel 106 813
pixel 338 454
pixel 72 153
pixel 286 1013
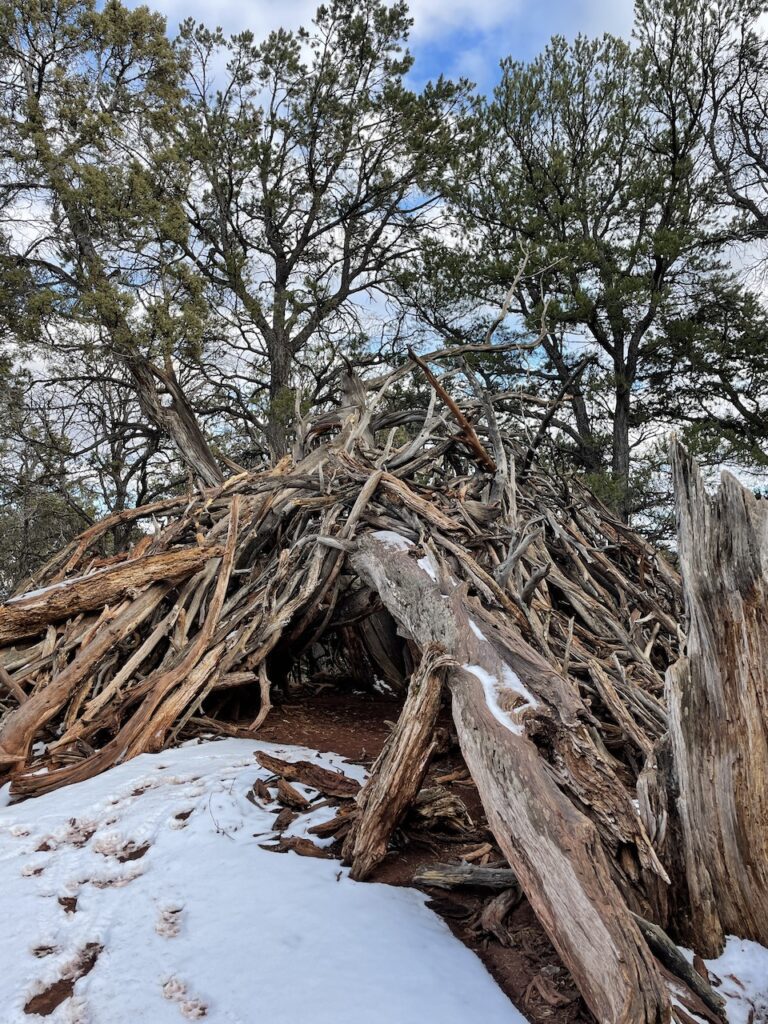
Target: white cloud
pixel 613 16
pixel 433 19
pixel 456 37
pixel 260 16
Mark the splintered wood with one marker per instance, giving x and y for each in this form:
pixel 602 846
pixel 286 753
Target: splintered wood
pixel 545 623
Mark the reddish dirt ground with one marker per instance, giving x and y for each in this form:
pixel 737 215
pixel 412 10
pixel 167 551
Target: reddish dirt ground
pixel 45 1002
pixel 526 966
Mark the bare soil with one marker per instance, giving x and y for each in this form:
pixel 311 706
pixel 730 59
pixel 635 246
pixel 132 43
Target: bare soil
pixel 45 1002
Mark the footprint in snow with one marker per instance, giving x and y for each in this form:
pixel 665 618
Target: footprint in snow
pixel 189 1006
pixel 112 845
pixel 47 997
pixel 32 869
pixel 169 923
pixel 180 820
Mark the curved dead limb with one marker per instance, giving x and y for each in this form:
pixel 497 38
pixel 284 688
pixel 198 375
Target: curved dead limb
pixel 468 431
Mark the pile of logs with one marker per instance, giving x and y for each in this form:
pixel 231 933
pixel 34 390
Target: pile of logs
pixel 611 715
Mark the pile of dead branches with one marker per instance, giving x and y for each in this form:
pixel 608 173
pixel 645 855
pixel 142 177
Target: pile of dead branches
pixel 450 567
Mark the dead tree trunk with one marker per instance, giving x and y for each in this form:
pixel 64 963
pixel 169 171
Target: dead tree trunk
pixel 718 699
pixel 554 850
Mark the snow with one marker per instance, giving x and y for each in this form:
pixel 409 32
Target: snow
pixel 392 540
pixel 494 688
pixel 476 629
pixel 207 924
pixel 31 594
pixel 42 590
pixel 740 975
pixel 428 566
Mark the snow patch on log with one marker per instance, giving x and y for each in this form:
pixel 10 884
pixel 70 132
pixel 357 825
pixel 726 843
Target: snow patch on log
pixel 476 630
pixel 31 594
pixel 428 566
pixel 495 688
pixel 399 543
pixel 393 540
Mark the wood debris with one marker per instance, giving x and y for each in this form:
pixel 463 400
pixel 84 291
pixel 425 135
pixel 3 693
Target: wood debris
pixel 544 621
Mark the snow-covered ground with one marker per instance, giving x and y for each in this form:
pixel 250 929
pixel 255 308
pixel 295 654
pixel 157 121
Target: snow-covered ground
pixel 143 895
pixel 740 975
pixel 150 878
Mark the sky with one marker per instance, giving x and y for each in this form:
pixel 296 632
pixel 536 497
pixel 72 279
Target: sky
pixel 453 37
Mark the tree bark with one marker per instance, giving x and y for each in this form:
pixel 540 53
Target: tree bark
pixel 176 420
pixel 620 456
pixel 554 850
pixel 399 771
pixel 717 696
pixel 28 616
pixel 280 395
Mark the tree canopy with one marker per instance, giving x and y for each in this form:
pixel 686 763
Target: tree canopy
pixel 205 236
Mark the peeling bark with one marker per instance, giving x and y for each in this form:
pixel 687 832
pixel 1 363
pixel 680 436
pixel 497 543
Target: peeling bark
pixel 399 771
pixel 29 615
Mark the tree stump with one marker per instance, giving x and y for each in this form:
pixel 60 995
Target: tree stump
pixel 718 707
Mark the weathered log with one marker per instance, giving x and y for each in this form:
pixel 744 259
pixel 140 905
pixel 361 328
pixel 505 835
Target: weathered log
pixel 399 771
pixel 148 726
pixel 551 846
pixel 324 780
pixel 476 876
pixel 19 728
pixel 29 615
pixel 670 956
pixel 717 695
pixel 289 796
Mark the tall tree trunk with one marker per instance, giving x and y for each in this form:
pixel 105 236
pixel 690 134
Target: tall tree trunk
pixel 620 456
pixel 589 450
pixel 718 700
pixel 280 396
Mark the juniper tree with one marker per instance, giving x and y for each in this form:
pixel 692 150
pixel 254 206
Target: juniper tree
pixel 86 93
pixel 314 168
pixel 591 160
